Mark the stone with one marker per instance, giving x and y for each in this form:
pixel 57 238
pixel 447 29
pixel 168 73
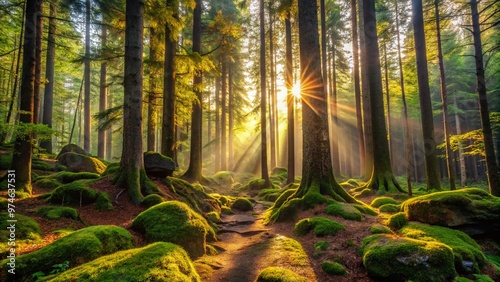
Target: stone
pixel 158 165
pixel 75 162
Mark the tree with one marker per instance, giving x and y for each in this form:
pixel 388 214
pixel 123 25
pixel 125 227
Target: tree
pixel 317 175
pixel 357 90
pixel 86 96
pixel 38 63
pixel 132 175
pixel 263 93
pixel 382 178
pixel 21 159
pixel 431 164
pixel 492 168
pixel 103 95
pixel 290 100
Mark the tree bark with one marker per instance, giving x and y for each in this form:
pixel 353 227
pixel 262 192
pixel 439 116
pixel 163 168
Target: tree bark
pixel 48 96
pixel 153 89
pixel 230 101
pixel 38 62
pixel 335 120
pixel 86 97
pixel 103 96
pixel 263 93
pixel 431 163
pixel 493 172
pixel 217 124
pixel 273 119
pixel 223 119
pixel 461 157
pixel 290 100
pixel 388 101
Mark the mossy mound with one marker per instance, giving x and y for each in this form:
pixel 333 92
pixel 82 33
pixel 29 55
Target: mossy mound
pixel 242 204
pixel 319 225
pixel 193 195
pixel 344 210
pixel 73 193
pixel 389 208
pixel 103 202
pixel 472 210
pixel 269 194
pixel 391 258
pixel 112 168
pixel 380 201
pixel 47 183
pixel 279 274
pixel 397 221
pixel 71 148
pixel 151 200
pixel 175 222
pixel 78 247
pixel 58 212
pixel 213 217
pixel 41 165
pixel 64 177
pixel 333 268
pixel 380 229
pixel 467 253
pixel 156 262
pixel 75 162
pixel 321 245
pixel 25 227
pixel 278 175
pixel 223 178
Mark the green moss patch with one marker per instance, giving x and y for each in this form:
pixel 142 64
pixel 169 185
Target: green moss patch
pixel 73 193
pixel 175 222
pixel 380 229
pixel 467 253
pixel 333 268
pixel 151 200
pixel 192 195
pixel 5 161
pixel 25 227
pixel 41 165
pixel 389 208
pixel 224 178
pixel 321 245
pixel 343 210
pixel 47 182
pixel 58 212
pixel 321 226
pixel 112 168
pixel 279 274
pixel 103 202
pixel 391 258
pixel 270 194
pixel 242 204
pixel 396 221
pixel 78 247
pixel 380 201
pixel 81 163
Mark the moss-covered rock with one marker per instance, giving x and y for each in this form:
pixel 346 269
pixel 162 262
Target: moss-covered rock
pixel 380 201
pixel 151 200
pixel 58 212
pixel 25 227
pixel 5 161
pixel 472 210
pixel 71 148
pixel 333 268
pixel 242 204
pixel 391 258
pixel 279 274
pixel 112 168
pixel 270 194
pixel 156 262
pixel 103 202
pixel 213 217
pixel 175 222
pixel 344 210
pixel 380 229
pixel 47 183
pixel 75 162
pixel 321 226
pixel 41 165
pixel 73 193
pixel 467 253
pixel 389 208
pixel 158 165
pixel 194 196
pixel 76 248
pixel 396 221
pixel 223 178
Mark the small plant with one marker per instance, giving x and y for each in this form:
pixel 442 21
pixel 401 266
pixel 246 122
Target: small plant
pixel 57 268
pixel 321 245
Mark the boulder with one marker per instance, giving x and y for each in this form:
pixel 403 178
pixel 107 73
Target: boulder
pixel 75 162
pixel 472 210
pixel 158 165
pixel 71 148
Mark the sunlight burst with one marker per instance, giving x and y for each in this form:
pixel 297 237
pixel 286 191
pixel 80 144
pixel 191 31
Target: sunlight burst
pixel 296 90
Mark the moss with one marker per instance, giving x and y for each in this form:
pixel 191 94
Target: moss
pixel 380 229
pixel 58 212
pixel 3 204
pixel 213 217
pixel 68 177
pixel 226 210
pixel 194 196
pixel 346 211
pixel 397 221
pixel 41 165
pixel 156 262
pixel 103 202
pixel 389 208
pixel 47 183
pixel 175 222
pixel 242 204
pixel 76 162
pixel 380 201
pixel 390 258
pixel 5 161
pixel 467 253
pixel 73 193
pixel 321 245
pixel 26 227
pixel 279 274
pixel 211 250
pixel 321 226
pixel 333 268
pixel 111 169
pixel 269 194
pixel 78 247
pixel 151 200
pixel 223 178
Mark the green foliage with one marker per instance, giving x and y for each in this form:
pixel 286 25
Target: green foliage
pixel 321 245
pixel 343 210
pixel 333 268
pixel 57 212
pixel 396 221
pixel 78 247
pixel 156 262
pixel 242 204
pixel 151 200
pixel 23 130
pixel 5 161
pixel 279 274
pixel 73 193
pixel 103 201
pixel 380 201
pixel 389 208
pixel 175 222
pixel 321 226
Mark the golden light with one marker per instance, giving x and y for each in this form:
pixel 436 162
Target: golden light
pixel 296 90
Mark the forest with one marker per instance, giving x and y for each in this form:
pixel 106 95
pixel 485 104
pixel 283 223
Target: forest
pixel 250 140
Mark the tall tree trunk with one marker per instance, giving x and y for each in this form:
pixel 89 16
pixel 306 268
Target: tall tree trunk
pixel 365 96
pixel 357 90
pixel 48 96
pixel 263 93
pixel 153 89
pixel 131 175
pixel 408 140
pixel 86 99
pixel 194 171
pixel 431 163
pixel 461 157
pixel 230 117
pixel 217 124
pixel 223 120
pixel 38 62
pixel 109 136
pixel 388 101
pixel 449 159
pixel 21 159
pixel 382 177
pixel 103 96
pixel 493 172
pixel 335 120
pixel 272 113
pixel 290 100
pixel 168 146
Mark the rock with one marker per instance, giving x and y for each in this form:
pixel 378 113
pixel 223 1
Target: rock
pixel 75 162
pixel 71 148
pixel 390 258
pixel 158 165
pixel 471 210
pixel 279 274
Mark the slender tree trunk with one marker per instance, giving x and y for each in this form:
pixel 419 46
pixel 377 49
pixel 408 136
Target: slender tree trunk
pixel 461 157
pixel 388 101
pixel 230 117
pixel 48 97
pixel 431 163
pixel 493 172
pixel 223 120
pixel 272 114
pixel 109 136
pixel 217 124
pixel 153 90
pixel 335 123
pixel 289 100
pixel 38 62
pixel 263 92
pixel 103 96
pixel 86 99
pixel 449 159
pixel 21 159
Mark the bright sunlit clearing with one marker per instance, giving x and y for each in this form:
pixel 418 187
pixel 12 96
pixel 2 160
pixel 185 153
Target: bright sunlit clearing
pixel 296 90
